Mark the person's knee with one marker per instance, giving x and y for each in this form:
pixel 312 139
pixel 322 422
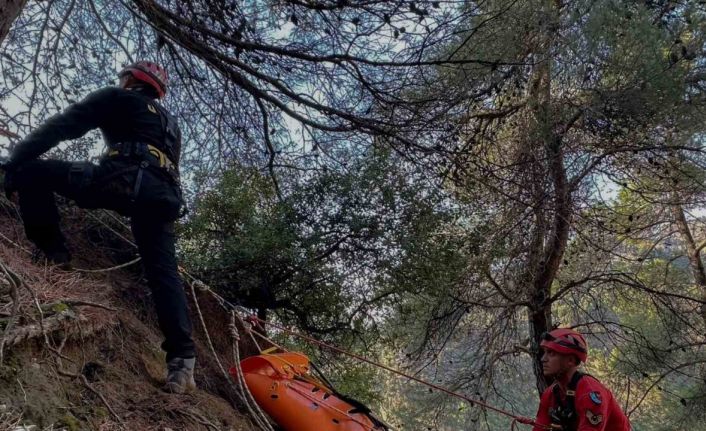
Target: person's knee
pixel 80 175
pixel 40 174
pixel 28 176
pixel 163 282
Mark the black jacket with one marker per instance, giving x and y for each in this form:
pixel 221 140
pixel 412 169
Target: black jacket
pixel 122 115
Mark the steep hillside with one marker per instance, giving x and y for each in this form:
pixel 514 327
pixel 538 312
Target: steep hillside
pixel 81 349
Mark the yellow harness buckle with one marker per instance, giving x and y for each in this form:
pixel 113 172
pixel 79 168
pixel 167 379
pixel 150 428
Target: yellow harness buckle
pixel 164 161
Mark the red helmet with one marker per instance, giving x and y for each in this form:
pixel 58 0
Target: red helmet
pixel 150 73
pixel 566 342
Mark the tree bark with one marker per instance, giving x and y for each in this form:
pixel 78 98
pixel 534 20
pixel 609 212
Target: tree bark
pixel 9 11
pixel 693 253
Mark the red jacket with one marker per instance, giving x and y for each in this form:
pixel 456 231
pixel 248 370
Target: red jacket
pixel 596 408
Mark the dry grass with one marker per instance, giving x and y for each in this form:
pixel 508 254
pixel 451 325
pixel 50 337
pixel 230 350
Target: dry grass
pixel 9 420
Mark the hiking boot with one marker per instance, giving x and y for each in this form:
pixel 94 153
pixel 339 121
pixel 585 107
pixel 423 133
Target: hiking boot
pixel 180 376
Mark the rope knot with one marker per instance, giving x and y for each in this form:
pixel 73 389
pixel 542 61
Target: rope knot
pixel 234 332
pixel 201 286
pixel 525 421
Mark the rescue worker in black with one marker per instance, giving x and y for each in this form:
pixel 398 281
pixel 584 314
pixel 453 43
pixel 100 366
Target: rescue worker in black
pixel 138 177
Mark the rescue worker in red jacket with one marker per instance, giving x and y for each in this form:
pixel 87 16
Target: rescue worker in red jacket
pixel 575 401
pixel 138 177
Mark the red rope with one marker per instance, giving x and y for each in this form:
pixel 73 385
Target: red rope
pixel 516 419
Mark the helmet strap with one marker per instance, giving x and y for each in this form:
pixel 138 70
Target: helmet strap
pixel 131 83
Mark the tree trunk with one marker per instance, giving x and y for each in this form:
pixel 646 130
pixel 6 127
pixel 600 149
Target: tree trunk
pixel 551 249
pixel 9 11
pixel 545 273
pixel 693 252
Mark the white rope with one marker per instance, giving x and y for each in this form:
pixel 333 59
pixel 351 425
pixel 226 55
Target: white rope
pixel 253 407
pixel 112 268
pixel 208 336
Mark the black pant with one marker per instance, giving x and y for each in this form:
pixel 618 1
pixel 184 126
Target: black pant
pixel 152 211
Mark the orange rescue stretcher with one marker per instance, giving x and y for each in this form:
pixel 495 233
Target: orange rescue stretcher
pixel 283 386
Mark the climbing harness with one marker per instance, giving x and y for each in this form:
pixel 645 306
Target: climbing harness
pixel 147 154
pixel 563 414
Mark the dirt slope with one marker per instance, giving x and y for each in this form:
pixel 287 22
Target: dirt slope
pixel 90 360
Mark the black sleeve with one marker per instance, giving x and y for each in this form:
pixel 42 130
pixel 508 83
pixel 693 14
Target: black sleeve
pixel 73 123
